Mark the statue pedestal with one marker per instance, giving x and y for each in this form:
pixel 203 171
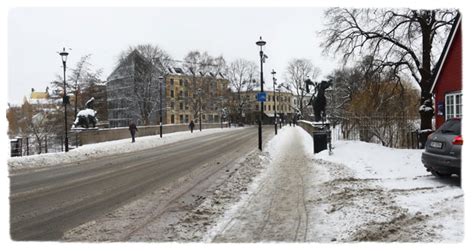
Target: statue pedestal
pixel 321 136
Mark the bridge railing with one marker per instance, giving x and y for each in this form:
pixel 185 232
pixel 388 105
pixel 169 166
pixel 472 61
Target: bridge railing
pixel 109 134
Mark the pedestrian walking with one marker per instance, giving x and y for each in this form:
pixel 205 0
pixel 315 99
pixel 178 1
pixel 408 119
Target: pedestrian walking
pixel 191 126
pixel 133 129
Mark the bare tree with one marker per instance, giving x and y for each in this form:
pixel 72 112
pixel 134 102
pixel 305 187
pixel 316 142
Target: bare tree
pixel 401 39
pixel 80 78
pixel 204 70
pixel 152 53
pixel 193 61
pixel 149 62
pixel 297 71
pixel 40 120
pixel 373 102
pixel 242 75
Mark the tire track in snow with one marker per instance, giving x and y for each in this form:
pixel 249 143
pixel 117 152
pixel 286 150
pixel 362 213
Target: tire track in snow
pixel 276 209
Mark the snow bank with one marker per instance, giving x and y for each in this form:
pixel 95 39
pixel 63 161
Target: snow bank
pixel 369 160
pixel 387 193
pixel 104 149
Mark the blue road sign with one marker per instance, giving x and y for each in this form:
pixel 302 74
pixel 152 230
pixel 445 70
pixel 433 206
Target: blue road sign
pixel 261 96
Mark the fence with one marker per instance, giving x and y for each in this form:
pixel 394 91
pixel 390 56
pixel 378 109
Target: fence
pixel 390 131
pixel 30 145
pixel 55 143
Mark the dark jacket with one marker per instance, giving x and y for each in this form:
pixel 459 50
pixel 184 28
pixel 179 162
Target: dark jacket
pixel 133 128
pixel 191 125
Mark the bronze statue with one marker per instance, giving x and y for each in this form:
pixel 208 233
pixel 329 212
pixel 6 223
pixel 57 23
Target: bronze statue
pixel 88 117
pixel 318 100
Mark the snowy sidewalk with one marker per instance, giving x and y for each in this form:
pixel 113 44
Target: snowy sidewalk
pixel 363 192
pixel 275 210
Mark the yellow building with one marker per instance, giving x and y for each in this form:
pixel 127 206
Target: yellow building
pixel 279 103
pixel 190 93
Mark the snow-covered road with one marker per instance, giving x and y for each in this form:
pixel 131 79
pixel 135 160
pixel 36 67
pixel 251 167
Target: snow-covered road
pixel 363 192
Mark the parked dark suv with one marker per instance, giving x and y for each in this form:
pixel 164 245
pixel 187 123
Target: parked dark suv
pixel 442 155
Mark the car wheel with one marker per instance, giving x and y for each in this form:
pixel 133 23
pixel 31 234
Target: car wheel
pixel 441 175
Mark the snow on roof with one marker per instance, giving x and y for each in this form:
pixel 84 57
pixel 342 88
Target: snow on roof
pixel 101 83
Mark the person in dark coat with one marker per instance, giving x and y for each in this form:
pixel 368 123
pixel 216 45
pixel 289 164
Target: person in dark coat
pixel 133 129
pixel 191 126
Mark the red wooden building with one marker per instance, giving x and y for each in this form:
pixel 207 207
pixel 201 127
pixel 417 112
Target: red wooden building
pixel 447 86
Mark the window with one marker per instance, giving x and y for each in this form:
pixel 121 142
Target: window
pixel 453 105
pixel 172 93
pixel 181 105
pixel 186 118
pixel 171 82
pixel 181 82
pixel 172 119
pixel 181 118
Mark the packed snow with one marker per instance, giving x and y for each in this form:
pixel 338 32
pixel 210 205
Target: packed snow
pixel 362 192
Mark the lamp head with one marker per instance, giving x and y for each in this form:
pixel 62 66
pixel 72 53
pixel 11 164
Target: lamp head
pixel 64 55
pixel 261 42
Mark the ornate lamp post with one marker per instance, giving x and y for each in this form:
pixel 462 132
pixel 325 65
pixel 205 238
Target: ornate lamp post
pixel 64 55
pixel 274 103
pixel 161 105
pixel 279 95
pixel 261 43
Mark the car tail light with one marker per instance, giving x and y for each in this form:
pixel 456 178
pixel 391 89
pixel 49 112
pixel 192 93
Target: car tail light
pixel 430 135
pixel 457 140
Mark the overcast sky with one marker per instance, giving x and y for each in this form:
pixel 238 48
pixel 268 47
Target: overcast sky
pixel 37 34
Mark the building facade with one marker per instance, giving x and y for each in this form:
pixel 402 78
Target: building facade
pixel 192 93
pixel 133 95
pixel 184 94
pixel 447 86
pixel 278 103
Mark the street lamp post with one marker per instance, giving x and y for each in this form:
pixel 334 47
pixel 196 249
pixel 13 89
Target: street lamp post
pixel 279 95
pixel 222 110
pixel 64 55
pixel 274 103
pixel 161 105
pixel 200 108
pixel 261 43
